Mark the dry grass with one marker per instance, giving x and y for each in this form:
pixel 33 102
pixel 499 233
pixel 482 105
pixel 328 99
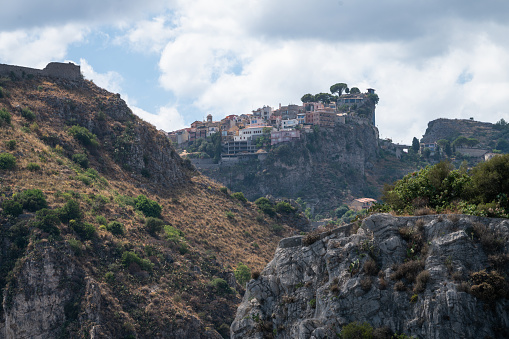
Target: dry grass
pixel 197 208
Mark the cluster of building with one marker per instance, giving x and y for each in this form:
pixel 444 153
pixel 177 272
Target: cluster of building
pixel 240 133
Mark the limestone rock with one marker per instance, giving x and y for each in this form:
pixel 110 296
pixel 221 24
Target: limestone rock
pixel 312 291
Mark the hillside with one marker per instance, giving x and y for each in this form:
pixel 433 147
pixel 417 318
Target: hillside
pixel 82 255
pixel 489 135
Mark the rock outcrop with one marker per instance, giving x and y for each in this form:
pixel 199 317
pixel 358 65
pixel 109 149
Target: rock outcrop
pixel 427 276
pixel 325 168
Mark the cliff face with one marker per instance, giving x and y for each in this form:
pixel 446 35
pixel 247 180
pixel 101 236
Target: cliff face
pixel 452 128
pixel 132 143
pixel 429 276
pixel 325 168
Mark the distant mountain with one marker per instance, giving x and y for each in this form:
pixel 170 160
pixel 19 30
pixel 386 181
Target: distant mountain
pixel 489 135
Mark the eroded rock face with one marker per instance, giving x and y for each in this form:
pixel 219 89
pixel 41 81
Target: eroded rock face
pixel 43 289
pixel 313 291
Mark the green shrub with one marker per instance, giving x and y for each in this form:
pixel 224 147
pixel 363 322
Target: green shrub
pixel 341 210
pixel 84 230
pixel 12 208
pixel 31 199
pixel 183 248
pixel 7 161
pixel 47 221
pixel 5 117
pixel 129 258
pixel 221 286
pixel 75 245
pixel 149 207
pixel 154 225
pixel 83 135
pixel 115 228
pixel 265 206
pixel 101 220
pixel 284 207
pixel 224 189
pixel 81 159
pixel 229 215
pixel 242 274
pixel 357 330
pixel 70 211
pixel 109 277
pixel 84 179
pixel 239 196
pixel 173 234
pixel 27 114
pixel 10 144
pixel 32 166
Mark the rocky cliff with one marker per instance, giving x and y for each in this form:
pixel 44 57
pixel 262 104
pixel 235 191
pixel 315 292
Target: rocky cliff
pixel 450 129
pixel 325 168
pixel 435 276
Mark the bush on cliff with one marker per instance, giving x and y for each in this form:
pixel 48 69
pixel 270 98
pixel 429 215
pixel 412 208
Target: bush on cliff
pixel 149 207
pixel 481 191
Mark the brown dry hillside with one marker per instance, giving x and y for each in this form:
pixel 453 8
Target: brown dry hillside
pixel 111 275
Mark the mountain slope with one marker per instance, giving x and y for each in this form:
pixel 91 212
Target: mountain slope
pixel 93 263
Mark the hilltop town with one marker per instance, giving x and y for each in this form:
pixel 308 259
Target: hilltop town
pixel 245 134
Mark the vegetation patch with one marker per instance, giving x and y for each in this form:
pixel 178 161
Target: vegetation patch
pixel 116 228
pixel 7 161
pixel 149 207
pixel 5 117
pixel 490 286
pixel 31 199
pixel 33 167
pixel 83 135
pixel 265 206
pixel 27 114
pixel 242 274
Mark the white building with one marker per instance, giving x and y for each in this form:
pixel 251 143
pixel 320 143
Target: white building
pixel 249 133
pixel 289 124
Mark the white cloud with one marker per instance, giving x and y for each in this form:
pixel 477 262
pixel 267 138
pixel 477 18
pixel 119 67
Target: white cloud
pixel 36 47
pixel 228 57
pixel 110 81
pixel 167 118
pixel 148 36
pixel 24 14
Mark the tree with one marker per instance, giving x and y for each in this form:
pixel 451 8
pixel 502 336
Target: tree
pixel 490 181
pixel 354 90
pixel 415 145
pixel 448 149
pixel 445 145
pixel 503 146
pixel 373 98
pixel 242 274
pixel 338 88
pixel 325 98
pixel 308 98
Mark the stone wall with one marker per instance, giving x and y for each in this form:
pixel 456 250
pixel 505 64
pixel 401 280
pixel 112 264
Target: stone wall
pixel 61 70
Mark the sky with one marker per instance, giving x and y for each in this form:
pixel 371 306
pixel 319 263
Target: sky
pixel 176 61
